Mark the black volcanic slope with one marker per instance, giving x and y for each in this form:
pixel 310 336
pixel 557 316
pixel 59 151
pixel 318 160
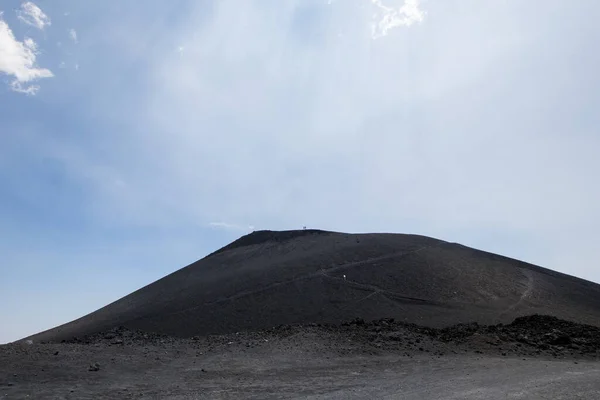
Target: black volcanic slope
pixel 270 278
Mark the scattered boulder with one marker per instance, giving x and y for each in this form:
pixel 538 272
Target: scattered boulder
pixel 94 367
pixel 561 340
pixel 525 336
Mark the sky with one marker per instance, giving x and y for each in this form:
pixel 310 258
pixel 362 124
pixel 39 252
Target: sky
pixel 137 137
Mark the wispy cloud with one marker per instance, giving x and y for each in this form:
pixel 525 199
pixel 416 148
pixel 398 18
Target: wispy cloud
pixel 18 59
pixel 231 227
pixel 387 18
pixel 395 144
pixel 73 35
pixel 32 15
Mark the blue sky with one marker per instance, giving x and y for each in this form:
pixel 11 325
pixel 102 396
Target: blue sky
pixel 138 136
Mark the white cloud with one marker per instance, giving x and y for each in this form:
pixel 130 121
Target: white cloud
pixel 432 132
pixel 387 18
pixel 18 59
pixel 33 15
pixel 73 35
pixel 25 89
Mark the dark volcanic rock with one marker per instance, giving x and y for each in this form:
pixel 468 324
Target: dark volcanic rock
pixel 538 332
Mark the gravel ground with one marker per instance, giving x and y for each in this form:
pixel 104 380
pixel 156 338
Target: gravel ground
pixel 536 357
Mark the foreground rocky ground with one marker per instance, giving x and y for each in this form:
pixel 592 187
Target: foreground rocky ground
pixel 533 357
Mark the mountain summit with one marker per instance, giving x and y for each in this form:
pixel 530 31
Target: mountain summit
pixel 268 278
